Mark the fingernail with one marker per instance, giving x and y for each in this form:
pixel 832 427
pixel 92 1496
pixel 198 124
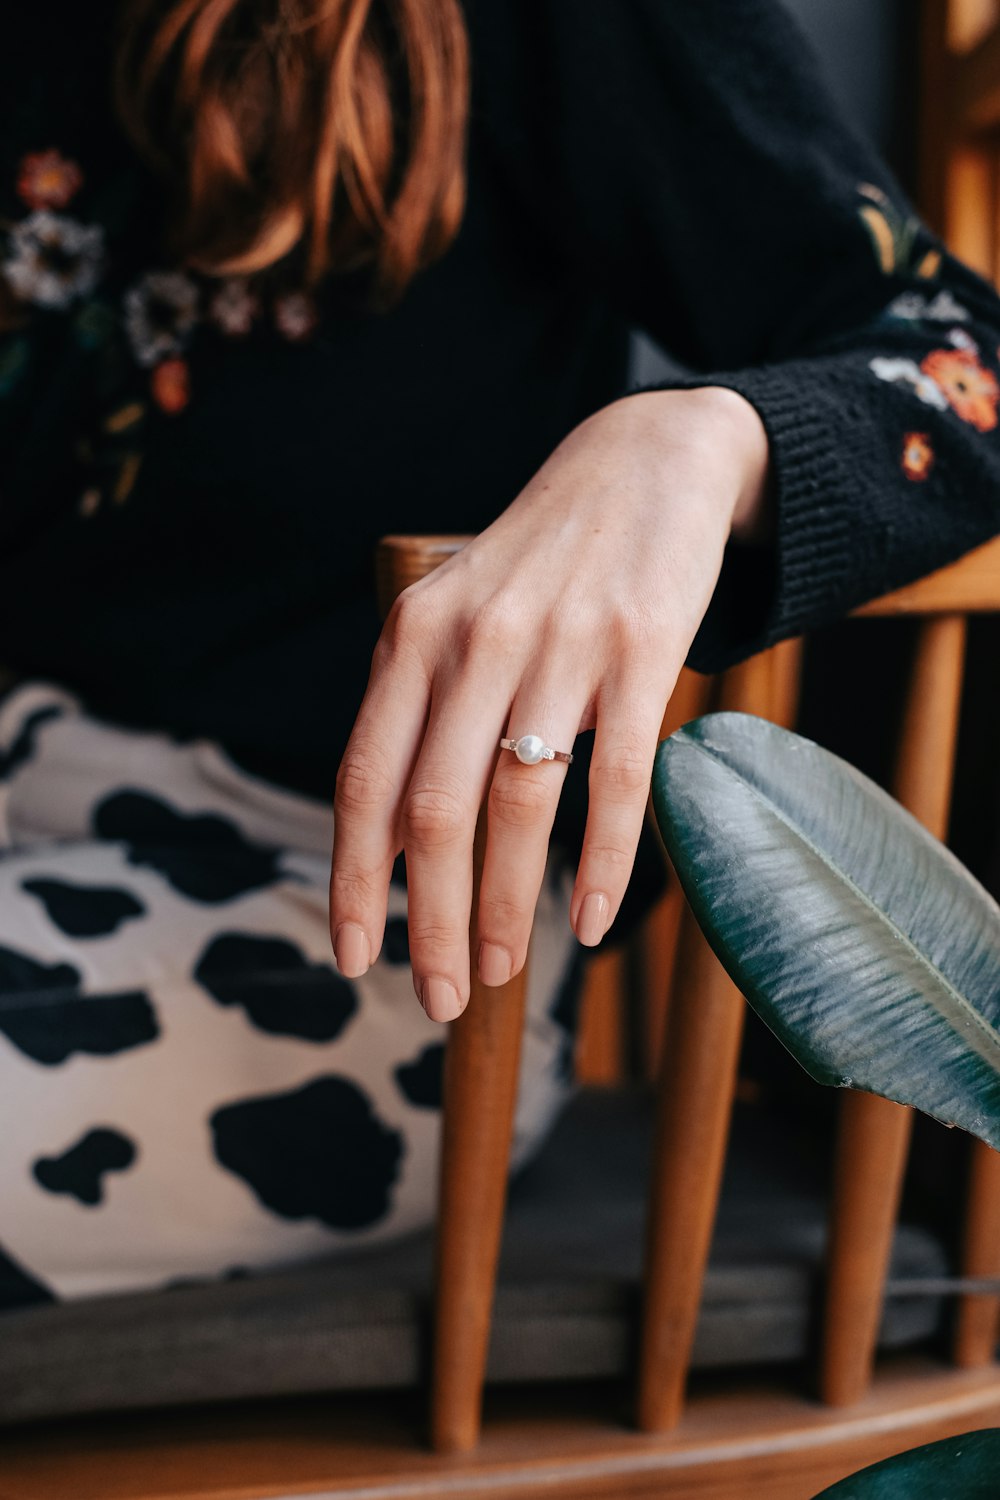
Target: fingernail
pixel 494 964
pixel 352 951
pixel 592 921
pixel 440 1000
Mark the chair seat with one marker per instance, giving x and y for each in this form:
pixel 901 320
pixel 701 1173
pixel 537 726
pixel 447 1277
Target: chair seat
pixel 567 1300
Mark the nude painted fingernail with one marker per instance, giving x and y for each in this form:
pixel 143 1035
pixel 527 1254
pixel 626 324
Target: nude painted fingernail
pixel 440 999
pixel 494 964
pixel 352 950
pixel 592 921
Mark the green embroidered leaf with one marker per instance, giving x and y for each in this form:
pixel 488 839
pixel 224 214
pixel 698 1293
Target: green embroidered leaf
pixel 882 237
pixel 958 1468
pixel 863 943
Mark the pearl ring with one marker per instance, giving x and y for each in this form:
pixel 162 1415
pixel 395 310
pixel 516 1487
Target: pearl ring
pixel 531 748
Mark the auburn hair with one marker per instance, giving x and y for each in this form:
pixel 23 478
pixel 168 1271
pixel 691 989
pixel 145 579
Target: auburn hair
pixel 330 132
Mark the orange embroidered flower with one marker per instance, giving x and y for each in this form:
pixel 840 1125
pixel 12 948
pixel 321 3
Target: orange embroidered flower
pixel 918 455
pixel 171 385
pixel 47 179
pixel 971 389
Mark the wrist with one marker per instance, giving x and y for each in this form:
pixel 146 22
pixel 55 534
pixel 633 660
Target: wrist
pixel 728 432
pixel 738 431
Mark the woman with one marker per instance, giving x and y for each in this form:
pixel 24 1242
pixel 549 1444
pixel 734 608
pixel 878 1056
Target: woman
pixel 291 286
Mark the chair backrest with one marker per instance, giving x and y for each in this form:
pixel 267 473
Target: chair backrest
pixel 960 127
pixel 698 1030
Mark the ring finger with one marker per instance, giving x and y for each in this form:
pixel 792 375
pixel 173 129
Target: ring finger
pixel 522 806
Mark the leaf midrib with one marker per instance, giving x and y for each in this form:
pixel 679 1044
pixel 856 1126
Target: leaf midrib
pixel 945 983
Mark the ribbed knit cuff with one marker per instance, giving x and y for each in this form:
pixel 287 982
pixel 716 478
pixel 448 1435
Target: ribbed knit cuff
pixel 805 576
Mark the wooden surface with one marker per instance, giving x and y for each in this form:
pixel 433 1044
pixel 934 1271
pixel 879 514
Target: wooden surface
pixel 733 1444
pixel 971 585
pixel 875 1133
pixel 402 560
pixel 601 1054
pixel 694 1103
pixel 480 1092
pixel 977 1329
pixel 661 929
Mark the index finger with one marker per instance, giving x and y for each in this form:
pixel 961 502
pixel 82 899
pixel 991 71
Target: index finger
pixel 371 780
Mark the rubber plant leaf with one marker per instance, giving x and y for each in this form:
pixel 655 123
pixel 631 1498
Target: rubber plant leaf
pixel 864 944
pixel 959 1468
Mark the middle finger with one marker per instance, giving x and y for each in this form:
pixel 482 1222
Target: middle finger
pixel 438 826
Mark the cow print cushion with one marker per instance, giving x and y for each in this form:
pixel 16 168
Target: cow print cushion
pixel 17 1288
pixel 396 943
pixel 318 1152
pixel 23 744
pixel 280 990
pixel 84 911
pixel 79 1170
pixel 187 1084
pixel 421 1081
pixel 203 856
pixel 44 1013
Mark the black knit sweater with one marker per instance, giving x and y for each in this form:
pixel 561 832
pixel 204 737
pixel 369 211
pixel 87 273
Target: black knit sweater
pixel 193 476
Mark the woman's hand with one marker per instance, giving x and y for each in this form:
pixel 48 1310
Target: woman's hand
pixel 574 610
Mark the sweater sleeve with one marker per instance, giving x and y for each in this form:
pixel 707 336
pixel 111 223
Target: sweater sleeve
pixel 687 159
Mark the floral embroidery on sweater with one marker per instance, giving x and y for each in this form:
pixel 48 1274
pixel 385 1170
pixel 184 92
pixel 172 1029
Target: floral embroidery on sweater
pixel 899 240
pixel 55 263
pixel 918 455
pixel 952 378
pixel 47 179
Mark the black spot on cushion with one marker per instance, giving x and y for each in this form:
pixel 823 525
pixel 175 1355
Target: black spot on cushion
pixel 421 1080
pixel 17 1287
pixel 46 1015
pixel 396 943
pixel 79 1170
pixel 565 1009
pixel 24 745
pixel 280 990
pixel 83 911
pixel 319 1152
pixel 202 855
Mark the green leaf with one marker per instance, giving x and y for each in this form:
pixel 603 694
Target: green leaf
pixel 959 1468
pixel 862 942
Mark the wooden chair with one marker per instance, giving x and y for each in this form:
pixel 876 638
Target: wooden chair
pixel 698 1079
pixel 757 1438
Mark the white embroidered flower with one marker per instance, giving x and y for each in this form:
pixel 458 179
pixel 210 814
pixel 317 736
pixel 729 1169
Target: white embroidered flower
pixel 234 307
pixel 907 372
pixel 52 260
pixel 914 306
pixel 295 315
pixel 959 339
pixel 160 312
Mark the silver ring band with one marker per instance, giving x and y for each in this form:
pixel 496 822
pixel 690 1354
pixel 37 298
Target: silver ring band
pixel 531 748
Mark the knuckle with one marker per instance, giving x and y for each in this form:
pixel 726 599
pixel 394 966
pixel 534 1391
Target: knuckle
pixel 351 889
pixel 622 773
pixel 363 784
pixel 409 624
pixel 500 914
pixel 519 801
pixel 497 625
pixel 612 858
pixel 632 629
pixel 433 816
pixel 432 936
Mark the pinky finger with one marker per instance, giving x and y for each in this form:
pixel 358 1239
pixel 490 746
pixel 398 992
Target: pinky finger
pixel 620 772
